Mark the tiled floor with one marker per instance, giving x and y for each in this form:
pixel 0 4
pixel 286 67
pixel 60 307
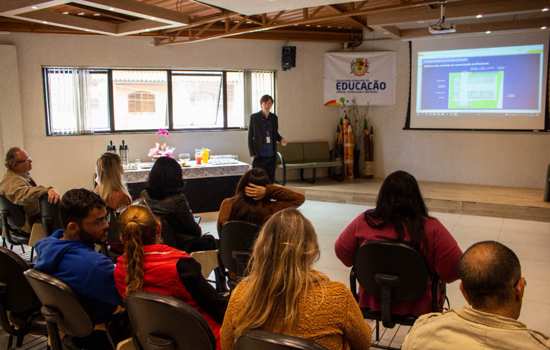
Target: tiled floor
pixel 529 239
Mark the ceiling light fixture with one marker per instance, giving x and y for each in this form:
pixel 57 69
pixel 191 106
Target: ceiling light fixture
pixel 81 13
pixel 544 9
pixel 34 7
pixel 66 12
pixel 97 14
pixel 479 16
pixel 543 27
pixel 488 32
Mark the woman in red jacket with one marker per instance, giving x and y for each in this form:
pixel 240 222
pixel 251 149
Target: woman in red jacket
pixel 158 268
pixel 401 215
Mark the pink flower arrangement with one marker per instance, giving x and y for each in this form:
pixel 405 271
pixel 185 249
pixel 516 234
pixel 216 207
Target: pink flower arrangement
pixel 162 149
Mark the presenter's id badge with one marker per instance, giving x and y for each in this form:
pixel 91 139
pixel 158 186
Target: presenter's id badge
pixel 267 139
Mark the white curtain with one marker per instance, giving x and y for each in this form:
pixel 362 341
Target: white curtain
pixel 68 100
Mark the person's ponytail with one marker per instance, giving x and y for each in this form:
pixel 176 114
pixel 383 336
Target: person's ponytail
pixel 133 252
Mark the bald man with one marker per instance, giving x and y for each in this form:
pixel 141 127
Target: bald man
pixel 492 284
pixel 19 188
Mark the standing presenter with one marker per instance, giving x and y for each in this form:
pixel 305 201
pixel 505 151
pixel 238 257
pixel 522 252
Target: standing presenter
pixel 263 135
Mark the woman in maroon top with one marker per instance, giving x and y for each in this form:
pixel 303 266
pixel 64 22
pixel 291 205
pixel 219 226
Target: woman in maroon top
pixel 401 215
pixel 162 269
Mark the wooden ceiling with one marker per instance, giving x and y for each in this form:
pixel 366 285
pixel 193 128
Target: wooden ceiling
pixel 173 22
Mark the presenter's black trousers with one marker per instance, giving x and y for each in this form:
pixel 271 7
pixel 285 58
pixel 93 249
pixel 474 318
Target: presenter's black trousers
pixel 266 163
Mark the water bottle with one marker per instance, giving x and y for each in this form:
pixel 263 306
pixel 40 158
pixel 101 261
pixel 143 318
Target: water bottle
pixel 110 147
pixel 123 153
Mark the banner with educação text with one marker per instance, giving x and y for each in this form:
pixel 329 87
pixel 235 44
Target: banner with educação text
pixel 368 78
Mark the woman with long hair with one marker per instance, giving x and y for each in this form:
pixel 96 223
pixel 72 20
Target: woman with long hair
pixel 157 268
pixel 110 186
pixel 283 293
pixel 401 215
pixel 165 196
pixel 256 199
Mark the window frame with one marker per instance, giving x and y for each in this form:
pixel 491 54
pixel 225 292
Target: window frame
pixel 170 73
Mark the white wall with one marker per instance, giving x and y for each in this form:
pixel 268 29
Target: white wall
pixel 67 162
pixel 517 159
pixel 11 120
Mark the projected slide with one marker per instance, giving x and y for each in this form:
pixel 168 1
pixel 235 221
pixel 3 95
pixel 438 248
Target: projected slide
pixel 498 80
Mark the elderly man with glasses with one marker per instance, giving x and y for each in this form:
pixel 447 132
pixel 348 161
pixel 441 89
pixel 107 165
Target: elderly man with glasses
pixel 19 188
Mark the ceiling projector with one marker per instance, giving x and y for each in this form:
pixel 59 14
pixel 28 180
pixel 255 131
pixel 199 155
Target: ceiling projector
pixel 441 28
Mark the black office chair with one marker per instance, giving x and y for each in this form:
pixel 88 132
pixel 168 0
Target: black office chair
pixel 13 219
pixel 166 323
pixel 236 241
pixel 257 339
pixel 49 215
pixel 392 272
pixel 19 305
pixel 64 313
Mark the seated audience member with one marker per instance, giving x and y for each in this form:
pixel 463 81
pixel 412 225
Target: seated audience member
pixel 166 198
pixel 256 199
pixel 284 294
pixel 401 215
pixel 69 254
pixel 19 188
pixel 492 284
pixel 109 182
pixel 158 268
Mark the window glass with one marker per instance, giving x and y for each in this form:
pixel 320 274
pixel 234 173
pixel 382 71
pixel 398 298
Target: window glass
pixel 140 99
pixel 197 100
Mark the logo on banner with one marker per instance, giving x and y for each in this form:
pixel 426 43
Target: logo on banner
pixel 359 66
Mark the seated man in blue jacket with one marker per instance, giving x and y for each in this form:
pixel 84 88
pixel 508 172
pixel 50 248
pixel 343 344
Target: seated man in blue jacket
pixel 70 256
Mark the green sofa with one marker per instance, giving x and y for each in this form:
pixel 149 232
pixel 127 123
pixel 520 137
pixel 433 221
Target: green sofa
pixel 306 155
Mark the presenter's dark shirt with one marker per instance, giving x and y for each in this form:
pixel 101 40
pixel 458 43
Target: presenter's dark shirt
pixel 267 127
pixel 260 127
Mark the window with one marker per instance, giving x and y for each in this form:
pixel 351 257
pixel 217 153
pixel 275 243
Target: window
pixel 197 100
pixel 77 100
pixel 141 101
pixel 85 100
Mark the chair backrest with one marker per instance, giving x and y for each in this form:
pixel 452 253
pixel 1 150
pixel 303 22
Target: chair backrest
pixel 236 241
pixel 49 215
pixel 19 297
pixel 293 152
pixel 166 323
pixel 404 267
pixel 59 300
pixel 15 214
pixel 316 151
pixel 257 339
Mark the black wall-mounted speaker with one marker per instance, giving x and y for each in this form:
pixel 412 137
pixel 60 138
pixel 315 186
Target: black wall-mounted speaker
pixel 289 57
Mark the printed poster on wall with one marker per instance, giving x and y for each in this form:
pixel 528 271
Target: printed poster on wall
pixel 369 78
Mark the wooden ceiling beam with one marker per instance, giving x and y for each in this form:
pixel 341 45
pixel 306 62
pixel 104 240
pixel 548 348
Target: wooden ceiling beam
pixel 465 8
pixel 10 6
pixel 203 21
pixel 392 31
pixel 133 6
pixel 355 19
pixel 304 20
pixel 480 28
pixel 50 17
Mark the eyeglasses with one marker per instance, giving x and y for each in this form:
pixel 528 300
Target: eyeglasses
pixel 24 160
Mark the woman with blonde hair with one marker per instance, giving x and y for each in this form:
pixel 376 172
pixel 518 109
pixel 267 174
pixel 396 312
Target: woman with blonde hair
pixel 162 269
pixel 109 181
pixel 283 293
